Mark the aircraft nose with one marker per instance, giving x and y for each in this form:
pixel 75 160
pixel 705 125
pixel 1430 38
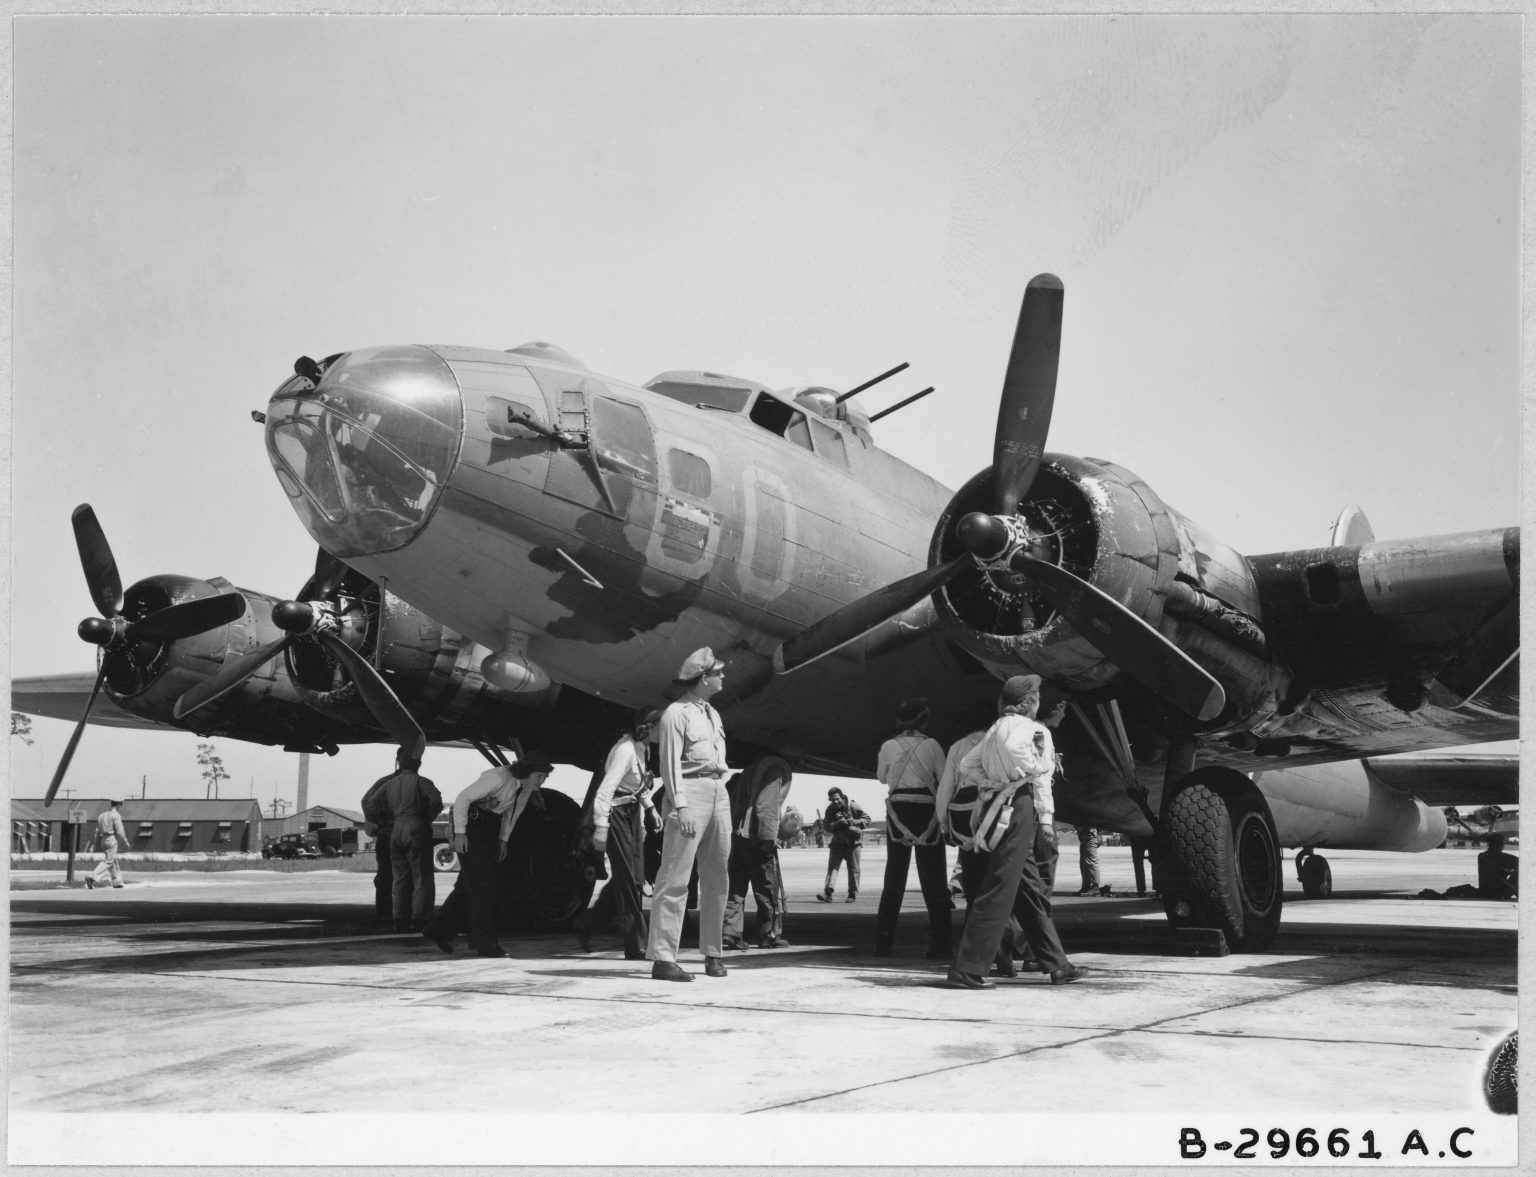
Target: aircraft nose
pixel 364 444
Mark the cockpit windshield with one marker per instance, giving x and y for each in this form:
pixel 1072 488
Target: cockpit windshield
pixel 364 455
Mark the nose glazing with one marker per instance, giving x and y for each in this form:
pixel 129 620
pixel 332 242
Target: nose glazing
pixel 364 453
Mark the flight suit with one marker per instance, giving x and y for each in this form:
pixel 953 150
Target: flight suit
pixel 412 801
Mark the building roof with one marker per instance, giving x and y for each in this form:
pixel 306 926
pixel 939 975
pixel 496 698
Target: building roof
pixel 345 814
pixel 147 809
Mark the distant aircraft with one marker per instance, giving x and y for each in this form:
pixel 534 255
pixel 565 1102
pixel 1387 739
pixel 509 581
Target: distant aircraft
pixel 587 534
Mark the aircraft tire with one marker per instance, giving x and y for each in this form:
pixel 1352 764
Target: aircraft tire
pixel 443 858
pixel 1316 877
pixel 543 887
pixel 1224 859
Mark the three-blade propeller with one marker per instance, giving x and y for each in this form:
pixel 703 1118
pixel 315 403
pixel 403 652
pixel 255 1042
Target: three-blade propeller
pixel 1023 420
pixel 305 621
pixel 114 633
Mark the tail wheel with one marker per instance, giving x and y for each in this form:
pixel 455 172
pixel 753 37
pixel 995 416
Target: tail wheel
pixel 543 886
pixel 1316 877
pixel 1224 859
pixel 443 857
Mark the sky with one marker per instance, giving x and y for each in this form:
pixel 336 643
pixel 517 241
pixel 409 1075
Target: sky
pixel 1290 246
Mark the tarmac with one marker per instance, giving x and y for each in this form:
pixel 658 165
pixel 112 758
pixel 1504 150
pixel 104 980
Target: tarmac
pixel 254 1017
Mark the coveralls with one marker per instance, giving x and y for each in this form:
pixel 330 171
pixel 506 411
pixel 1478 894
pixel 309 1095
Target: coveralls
pixel 412 802
pixel 487 811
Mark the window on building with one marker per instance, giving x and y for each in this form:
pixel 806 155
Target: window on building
pixel 184 830
pixel 146 829
pixel 222 835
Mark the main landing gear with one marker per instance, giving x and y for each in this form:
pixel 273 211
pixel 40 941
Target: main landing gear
pixel 1314 874
pixel 1222 858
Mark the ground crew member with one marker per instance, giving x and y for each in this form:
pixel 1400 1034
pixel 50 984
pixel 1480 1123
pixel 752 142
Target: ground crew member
pixel 697 825
pixel 1088 859
pixel 383 868
pixel 1016 754
pixel 757 805
pixel 402 805
pixel 909 765
pixel 622 794
pixel 110 835
pixel 484 816
pixel 843 821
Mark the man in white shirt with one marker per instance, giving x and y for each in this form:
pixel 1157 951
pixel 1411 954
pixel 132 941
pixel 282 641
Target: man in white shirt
pixel 484 816
pixel 1016 754
pixel 110 836
pixel 697 824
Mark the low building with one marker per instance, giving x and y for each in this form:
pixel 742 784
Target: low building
pixel 317 817
pixel 159 826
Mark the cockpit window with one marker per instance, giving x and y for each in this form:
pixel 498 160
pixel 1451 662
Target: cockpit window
pixel 704 396
pixel 777 417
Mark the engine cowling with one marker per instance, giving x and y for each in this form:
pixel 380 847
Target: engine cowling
pixel 1105 525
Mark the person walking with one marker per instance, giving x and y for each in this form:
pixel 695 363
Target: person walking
pixel 402 806
pixel 697 826
pixel 618 812
pixel 1017 756
pixel 110 836
pixel 843 822
pixel 757 805
pixel 484 816
pixel 909 765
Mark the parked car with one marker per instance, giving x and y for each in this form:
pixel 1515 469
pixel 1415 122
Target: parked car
pixel 292 846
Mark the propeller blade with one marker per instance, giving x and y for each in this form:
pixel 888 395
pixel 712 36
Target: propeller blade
pixel 1126 639
pixel 379 696
pixel 230 676
pixel 188 618
pixel 1029 392
pixel 69 749
pixel 96 560
pixel 1494 644
pixel 857 618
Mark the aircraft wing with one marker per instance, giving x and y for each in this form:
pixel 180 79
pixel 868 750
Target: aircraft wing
pixel 1466 779
pixel 63 696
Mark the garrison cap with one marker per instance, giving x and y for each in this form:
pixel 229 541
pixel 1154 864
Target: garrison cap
pixel 1020 687
pixel 699 663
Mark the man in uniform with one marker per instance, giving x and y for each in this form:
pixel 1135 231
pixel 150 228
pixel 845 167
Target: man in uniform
pixel 843 821
pixel 484 816
pixel 405 803
pixel 110 835
pixel 698 821
pixel 757 805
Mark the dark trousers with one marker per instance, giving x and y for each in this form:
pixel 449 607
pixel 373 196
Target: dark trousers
pixel 973 870
pixel 1011 888
pixel 1139 850
pixel 840 853
pixel 620 898
pixel 754 863
pixel 410 862
pixel 932 876
pixel 472 902
pixel 383 878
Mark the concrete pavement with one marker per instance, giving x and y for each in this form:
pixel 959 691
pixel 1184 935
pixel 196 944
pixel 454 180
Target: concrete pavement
pixel 257 993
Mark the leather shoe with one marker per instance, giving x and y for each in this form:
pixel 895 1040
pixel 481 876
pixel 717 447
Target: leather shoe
pixel 1005 967
pixel 779 943
pixel 735 945
pixel 822 897
pixel 714 966
pixel 959 980
pixel 669 970
pixel 628 955
pixel 1067 975
pixel 436 938
pixel 491 953
pixel 850 899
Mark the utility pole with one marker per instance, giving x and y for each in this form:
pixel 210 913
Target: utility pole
pixel 144 786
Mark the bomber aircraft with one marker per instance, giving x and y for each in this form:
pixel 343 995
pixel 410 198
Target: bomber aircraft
pixel 516 548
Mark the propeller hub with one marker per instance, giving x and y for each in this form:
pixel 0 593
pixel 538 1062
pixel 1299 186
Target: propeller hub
pixel 293 616
pixel 98 631
pixel 984 536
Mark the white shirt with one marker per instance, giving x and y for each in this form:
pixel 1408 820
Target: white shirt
pixel 497 790
pixel 623 777
pixel 1009 752
pixel 109 824
pixel 949 779
pixel 909 766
